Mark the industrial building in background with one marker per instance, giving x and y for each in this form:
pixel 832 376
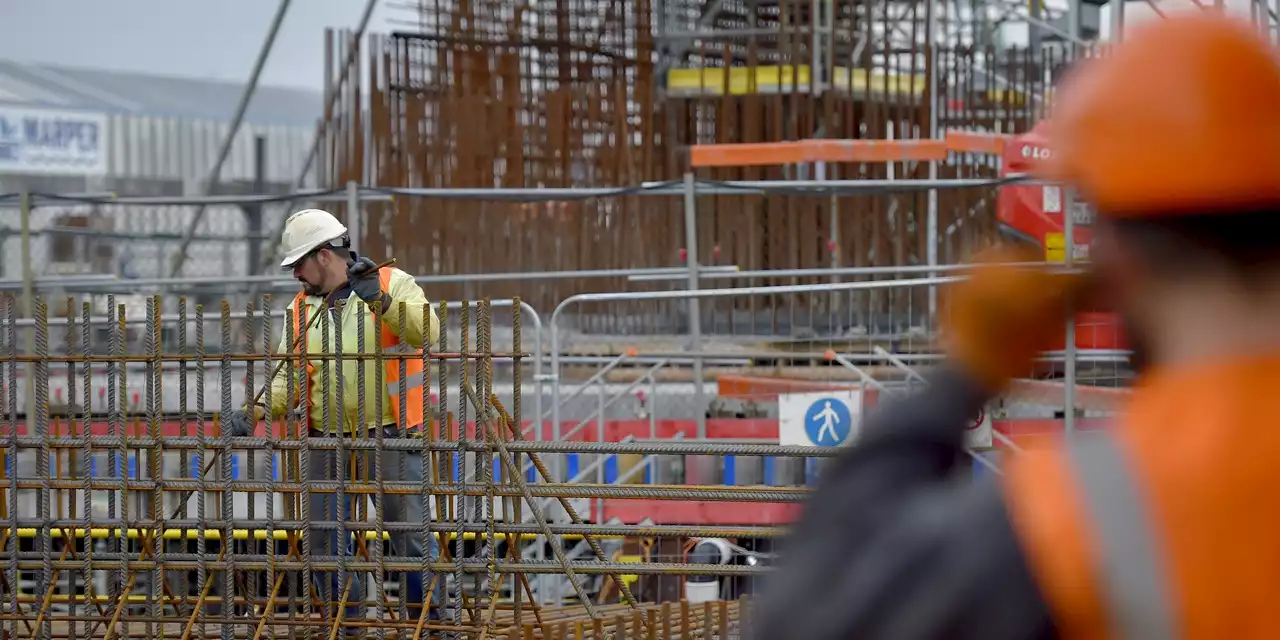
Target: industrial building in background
pixel 88 131
pixel 676 248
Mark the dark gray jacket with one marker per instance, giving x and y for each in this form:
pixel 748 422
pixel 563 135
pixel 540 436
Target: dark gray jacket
pixel 899 541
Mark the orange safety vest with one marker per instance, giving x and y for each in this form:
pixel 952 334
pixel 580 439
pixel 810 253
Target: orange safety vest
pixel 1167 526
pixel 413 378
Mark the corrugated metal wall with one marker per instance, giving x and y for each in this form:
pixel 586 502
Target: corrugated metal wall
pixel 153 156
pixel 144 147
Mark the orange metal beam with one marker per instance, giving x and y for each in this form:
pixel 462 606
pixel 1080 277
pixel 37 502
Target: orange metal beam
pixel 802 151
pixel 971 142
pixel 836 151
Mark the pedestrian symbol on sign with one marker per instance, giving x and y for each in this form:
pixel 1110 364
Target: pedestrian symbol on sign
pixel 828 422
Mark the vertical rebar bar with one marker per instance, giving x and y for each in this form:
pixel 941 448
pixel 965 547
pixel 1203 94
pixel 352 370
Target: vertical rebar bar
pixel 426 576
pixel 485 386
pixel 250 462
pixel 516 416
pixel 273 467
pixel 227 512
pixel 126 580
pixel 443 468
pixel 379 470
pixel 11 463
pixel 41 409
pixel 459 469
pixel 341 427
pixel 202 455
pixel 156 459
pixel 86 460
pixel 402 348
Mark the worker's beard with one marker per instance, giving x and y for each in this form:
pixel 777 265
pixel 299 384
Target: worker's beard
pixel 312 289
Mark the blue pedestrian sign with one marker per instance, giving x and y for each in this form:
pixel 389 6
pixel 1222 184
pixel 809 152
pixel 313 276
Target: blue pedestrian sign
pixel 819 418
pixel 828 422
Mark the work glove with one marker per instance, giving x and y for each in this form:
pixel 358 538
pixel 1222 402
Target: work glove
pixel 1001 317
pixel 241 422
pixel 363 278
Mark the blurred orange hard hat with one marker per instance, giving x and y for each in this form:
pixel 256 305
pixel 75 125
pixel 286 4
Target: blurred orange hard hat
pixel 1183 116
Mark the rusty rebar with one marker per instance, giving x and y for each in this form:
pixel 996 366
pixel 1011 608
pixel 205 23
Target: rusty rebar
pixel 146 525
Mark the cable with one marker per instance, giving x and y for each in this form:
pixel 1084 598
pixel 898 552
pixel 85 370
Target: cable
pixel 532 195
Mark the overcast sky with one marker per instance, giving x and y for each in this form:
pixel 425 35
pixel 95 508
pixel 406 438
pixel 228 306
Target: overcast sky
pixel 208 38
pixel 221 38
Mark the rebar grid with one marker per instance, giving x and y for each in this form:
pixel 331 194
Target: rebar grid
pixel 113 525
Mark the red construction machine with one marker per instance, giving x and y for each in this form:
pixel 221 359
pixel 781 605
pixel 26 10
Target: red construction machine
pixel 1035 214
pixel 1026 212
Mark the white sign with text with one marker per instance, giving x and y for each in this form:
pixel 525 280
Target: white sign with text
pixel 52 141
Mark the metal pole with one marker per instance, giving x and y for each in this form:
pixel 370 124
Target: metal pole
pixel 931 224
pixel 695 308
pixel 1117 20
pixel 253 213
pixel 28 307
pixel 1074 22
pixel 216 172
pixel 1069 352
pixel 330 102
pixel 1033 25
pixel 355 216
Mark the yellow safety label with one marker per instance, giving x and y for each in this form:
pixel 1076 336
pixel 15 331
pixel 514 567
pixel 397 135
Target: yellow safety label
pixel 1055 247
pixel 628 578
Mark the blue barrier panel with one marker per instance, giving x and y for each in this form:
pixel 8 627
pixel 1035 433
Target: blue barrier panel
pixel 497 468
pixel 235 467
pixel 571 466
pixel 457 467
pixel 611 469
pixel 275 467
pixel 811 471
pixel 731 470
pixel 532 475
pixel 195 466
pixel 770 471
pixel 648 471
pixel 133 467
pixel 979 469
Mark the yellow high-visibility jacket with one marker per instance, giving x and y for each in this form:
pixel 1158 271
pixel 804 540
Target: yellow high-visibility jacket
pixel 410 328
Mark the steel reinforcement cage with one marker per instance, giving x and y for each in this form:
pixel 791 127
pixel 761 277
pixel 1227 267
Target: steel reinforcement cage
pixel 130 519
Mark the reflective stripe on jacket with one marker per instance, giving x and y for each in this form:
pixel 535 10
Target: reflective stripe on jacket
pixel 382 391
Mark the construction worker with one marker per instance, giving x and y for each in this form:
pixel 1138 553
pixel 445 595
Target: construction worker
pixel 319 254
pixel 1165 525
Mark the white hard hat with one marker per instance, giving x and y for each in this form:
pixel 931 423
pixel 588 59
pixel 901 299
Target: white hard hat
pixel 306 230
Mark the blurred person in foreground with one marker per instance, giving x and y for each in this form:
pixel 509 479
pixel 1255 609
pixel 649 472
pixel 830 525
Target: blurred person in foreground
pixel 318 252
pixel 1164 526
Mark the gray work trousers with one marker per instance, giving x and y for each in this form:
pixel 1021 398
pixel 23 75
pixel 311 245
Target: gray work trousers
pixel 397 508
